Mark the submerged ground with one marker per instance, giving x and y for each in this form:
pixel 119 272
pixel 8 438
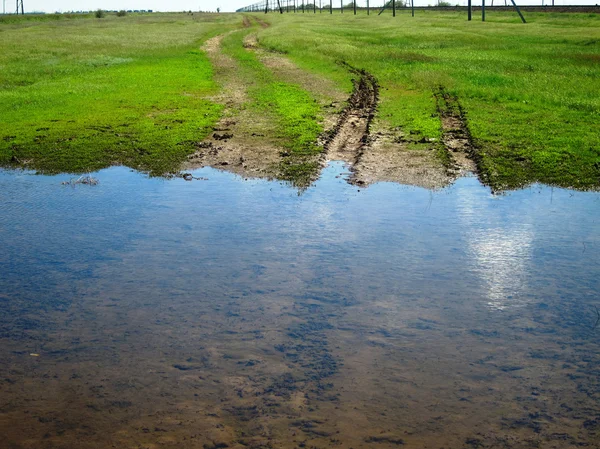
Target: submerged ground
pixel 144 313
pixel 273 93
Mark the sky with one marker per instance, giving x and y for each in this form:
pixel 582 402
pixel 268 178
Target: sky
pixel 51 6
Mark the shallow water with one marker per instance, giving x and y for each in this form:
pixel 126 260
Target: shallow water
pixel 164 313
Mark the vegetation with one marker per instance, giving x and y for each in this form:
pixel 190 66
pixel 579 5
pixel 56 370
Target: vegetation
pixel 79 95
pixel 99 14
pixel 27 18
pixel 529 92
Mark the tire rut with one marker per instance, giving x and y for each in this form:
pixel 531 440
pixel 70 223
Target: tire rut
pixel 349 138
pixel 456 136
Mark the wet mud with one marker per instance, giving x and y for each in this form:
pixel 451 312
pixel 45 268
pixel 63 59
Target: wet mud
pixel 350 135
pixel 242 143
pixel 456 137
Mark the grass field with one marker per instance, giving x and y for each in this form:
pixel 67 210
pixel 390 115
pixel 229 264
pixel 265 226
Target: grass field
pixel 78 95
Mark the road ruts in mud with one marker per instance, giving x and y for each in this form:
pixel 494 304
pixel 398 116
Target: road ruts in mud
pixel 244 142
pixel 456 136
pixel 348 139
pixel 262 23
pixel 384 154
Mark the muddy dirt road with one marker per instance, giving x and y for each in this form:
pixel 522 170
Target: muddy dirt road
pixel 242 142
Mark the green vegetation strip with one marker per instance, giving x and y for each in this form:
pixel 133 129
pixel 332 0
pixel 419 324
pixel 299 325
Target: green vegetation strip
pixel 293 114
pixel 530 92
pixel 79 95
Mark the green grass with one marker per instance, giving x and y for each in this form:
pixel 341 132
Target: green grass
pixel 78 95
pixel 530 92
pixel 292 113
pixel 18 19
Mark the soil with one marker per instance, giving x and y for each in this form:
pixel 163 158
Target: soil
pixel 390 158
pixel 455 134
pixel 241 141
pixel 351 134
pixel 238 143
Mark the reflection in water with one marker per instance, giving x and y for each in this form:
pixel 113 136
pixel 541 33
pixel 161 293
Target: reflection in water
pixel 232 313
pixel 501 256
pixel 500 249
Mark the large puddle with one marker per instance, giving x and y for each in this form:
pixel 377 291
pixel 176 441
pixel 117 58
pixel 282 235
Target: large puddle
pixel 147 313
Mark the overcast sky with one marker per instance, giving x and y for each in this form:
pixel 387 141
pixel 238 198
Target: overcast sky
pixel 210 5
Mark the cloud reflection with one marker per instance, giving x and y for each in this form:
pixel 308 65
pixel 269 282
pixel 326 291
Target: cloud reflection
pixel 500 247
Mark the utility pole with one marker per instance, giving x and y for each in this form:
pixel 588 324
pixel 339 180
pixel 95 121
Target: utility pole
pixel 20 3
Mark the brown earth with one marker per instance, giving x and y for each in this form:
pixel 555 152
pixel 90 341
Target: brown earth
pixel 242 142
pixel 291 371
pixel 239 142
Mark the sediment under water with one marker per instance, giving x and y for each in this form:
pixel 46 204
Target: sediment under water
pixel 241 313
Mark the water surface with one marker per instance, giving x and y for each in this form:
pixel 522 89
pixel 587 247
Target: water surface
pixel 164 313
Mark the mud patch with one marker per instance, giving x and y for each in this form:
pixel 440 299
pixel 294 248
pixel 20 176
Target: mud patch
pixel 261 22
pixel 456 137
pixel 385 154
pixel 393 156
pixel 238 143
pixel 351 133
pixel 245 142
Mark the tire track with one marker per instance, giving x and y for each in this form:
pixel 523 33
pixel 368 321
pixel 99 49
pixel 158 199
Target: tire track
pixel 349 138
pixel 456 136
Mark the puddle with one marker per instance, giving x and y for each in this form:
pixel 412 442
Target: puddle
pixel 237 313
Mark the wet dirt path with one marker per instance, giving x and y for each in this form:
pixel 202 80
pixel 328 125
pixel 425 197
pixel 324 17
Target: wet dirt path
pixel 351 134
pixel 245 141
pixel 456 136
pixel 242 141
